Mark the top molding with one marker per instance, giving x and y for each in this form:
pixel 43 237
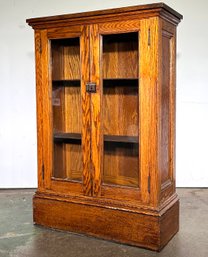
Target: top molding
pixel 140 11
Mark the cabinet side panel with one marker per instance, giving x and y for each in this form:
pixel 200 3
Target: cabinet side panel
pixel 148 108
pixel 39 106
pixel 167 132
pixel 47 109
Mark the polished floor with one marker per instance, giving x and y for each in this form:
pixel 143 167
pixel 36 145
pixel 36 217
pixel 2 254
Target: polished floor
pixel 20 238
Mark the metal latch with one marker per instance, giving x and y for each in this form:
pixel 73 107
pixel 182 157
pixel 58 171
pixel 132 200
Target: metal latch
pixel 91 87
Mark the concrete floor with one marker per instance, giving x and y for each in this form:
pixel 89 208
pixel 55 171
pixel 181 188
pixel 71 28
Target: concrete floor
pixel 19 237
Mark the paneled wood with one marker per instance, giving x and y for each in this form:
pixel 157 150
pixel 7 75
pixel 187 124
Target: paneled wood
pixel 165 107
pixel 167 156
pixel 148 106
pixel 119 52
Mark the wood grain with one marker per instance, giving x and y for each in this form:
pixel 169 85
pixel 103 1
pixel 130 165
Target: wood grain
pixel 65 59
pixel 118 225
pixel 59 165
pixel 120 107
pixel 119 27
pixel 47 110
pixel 67 115
pixel 96 123
pixel 74 166
pixel 66 102
pixel 121 165
pixel 39 108
pixel 149 94
pixel 165 108
pixel 120 51
pixel 67 161
pixel 168 117
pixel 58 105
pixel 73 110
pixel 72 59
pixel 86 111
pixel 132 12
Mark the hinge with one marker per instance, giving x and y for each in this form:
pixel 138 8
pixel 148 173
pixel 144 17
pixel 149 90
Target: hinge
pixel 43 171
pixel 149 37
pixel 40 46
pixel 149 184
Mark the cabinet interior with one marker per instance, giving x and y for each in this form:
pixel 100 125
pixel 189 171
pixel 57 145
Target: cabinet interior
pixel 120 55
pixel 66 107
pixel 65 55
pixel 120 109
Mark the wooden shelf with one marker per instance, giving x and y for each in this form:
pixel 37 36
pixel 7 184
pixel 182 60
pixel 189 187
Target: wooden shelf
pixel 120 79
pixel 120 139
pixel 120 82
pixel 66 136
pixel 66 83
pixel 107 138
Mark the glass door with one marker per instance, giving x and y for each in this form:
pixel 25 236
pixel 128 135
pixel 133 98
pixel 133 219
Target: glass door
pixel 66 107
pixel 120 115
pixel 68 74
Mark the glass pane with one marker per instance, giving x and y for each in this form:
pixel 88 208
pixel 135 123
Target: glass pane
pixel 120 56
pixel 66 106
pixel 66 102
pixel 68 160
pixel 120 109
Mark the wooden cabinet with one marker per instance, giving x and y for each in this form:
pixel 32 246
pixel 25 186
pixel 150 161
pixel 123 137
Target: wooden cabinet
pixel 105 85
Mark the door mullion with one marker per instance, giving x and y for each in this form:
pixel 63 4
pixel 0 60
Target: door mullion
pixel 86 112
pixel 96 135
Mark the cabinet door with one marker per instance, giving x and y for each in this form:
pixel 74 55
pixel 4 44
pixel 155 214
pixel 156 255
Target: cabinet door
pixel 115 150
pixel 65 109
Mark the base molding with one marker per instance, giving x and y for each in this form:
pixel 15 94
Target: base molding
pixel 139 229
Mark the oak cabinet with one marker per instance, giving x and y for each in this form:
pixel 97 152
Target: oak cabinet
pixel 105 85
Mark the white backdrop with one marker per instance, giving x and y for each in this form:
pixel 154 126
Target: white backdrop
pixel 18 161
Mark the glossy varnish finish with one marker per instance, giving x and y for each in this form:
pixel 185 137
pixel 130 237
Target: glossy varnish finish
pixel 106 159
